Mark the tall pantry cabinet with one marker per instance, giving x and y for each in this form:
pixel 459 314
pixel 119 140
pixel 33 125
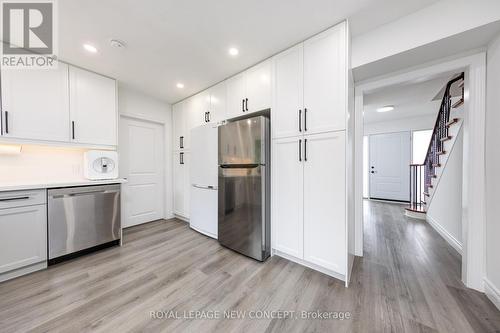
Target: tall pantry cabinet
pixel 309 191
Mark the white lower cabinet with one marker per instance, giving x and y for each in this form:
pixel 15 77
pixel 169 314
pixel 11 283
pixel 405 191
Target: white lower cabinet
pixel 23 232
pixel 325 201
pixel 181 184
pixel 309 200
pixel 288 184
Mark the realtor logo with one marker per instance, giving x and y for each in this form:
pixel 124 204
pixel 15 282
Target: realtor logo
pixel 28 34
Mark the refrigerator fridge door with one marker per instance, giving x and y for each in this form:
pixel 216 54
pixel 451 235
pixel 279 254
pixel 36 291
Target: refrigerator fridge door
pixel 203 162
pixel 243 210
pixel 244 141
pixel 203 215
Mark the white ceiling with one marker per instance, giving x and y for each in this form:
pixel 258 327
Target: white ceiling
pixel 187 41
pixel 410 100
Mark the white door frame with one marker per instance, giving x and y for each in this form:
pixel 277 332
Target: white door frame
pixel 167 199
pixel 473 179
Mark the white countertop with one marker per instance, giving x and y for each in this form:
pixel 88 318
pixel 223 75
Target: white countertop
pixel 15 186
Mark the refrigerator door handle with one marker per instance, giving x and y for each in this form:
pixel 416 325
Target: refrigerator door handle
pixel 239 166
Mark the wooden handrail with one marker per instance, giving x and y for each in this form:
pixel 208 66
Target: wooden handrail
pixel 441 109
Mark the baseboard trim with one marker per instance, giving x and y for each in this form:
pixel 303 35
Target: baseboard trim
pixel 445 234
pixel 492 293
pixel 323 270
pixel 182 218
pixel 22 271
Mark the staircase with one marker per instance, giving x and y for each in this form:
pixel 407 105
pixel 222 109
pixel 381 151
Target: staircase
pixel 424 177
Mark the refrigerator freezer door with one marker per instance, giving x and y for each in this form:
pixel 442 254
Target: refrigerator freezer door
pixel 203 162
pixel 203 215
pixel 242 210
pixel 243 141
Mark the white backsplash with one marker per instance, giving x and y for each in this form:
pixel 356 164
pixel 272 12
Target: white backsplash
pixel 42 164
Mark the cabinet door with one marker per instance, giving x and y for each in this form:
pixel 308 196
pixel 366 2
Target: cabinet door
pixel 36 103
pixel 178 126
pixel 325 77
pixel 186 184
pixel 23 236
pixel 194 114
pixel 258 87
pixel 179 180
pixel 288 93
pixel 235 96
pixel 287 196
pixel 325 201
pixel 93 107
pixel 217 103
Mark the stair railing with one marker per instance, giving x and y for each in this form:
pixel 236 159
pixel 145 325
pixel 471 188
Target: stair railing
pixel 421 174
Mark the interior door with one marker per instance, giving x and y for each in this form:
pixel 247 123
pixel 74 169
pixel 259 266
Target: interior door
pixel 142 163
pixel 258 87
pixel 92 107
pixel 325 200
pixel 287 196
pixel 235 95
pixel 288 93
pixel 44 115
pixel 389 170
pixel 325 81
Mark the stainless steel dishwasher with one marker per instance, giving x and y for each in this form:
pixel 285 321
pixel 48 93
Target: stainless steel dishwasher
pixel 82 220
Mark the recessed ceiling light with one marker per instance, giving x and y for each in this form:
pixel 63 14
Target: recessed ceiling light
pixel 233 51
pixel 90 48
pixel 180 85
pixel 386 108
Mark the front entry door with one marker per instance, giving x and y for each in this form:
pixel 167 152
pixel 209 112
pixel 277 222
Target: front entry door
pixel 389 167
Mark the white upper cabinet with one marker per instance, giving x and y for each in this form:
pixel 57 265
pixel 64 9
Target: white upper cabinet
pixel 325 200
pixel 258 87
pixel 236 96
pixel 217 110
pixel 195 110
pixel 178 125
pixel 287 112
pixel 92 108
pixel 35 104
pixel 250 91
pixel 325 80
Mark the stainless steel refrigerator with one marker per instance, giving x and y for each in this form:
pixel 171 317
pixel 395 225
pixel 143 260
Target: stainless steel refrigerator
pixel 244 187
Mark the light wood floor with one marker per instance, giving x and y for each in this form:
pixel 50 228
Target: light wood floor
pixel 408 281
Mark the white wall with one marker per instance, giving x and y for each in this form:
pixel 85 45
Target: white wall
pixel 445 210
pixel 133 103
pixel 400 125
pixel 492 166
pixel 440 20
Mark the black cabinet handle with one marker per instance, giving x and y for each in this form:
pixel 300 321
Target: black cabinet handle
pixel 243 105
pixel 6 122
pixel 181 158
pixel 246 102
pixel 300 150
pixel 305 119
pixel 73 130
pixel 305 150
pixel 300 120
pixel 208 116
pixel 181 142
